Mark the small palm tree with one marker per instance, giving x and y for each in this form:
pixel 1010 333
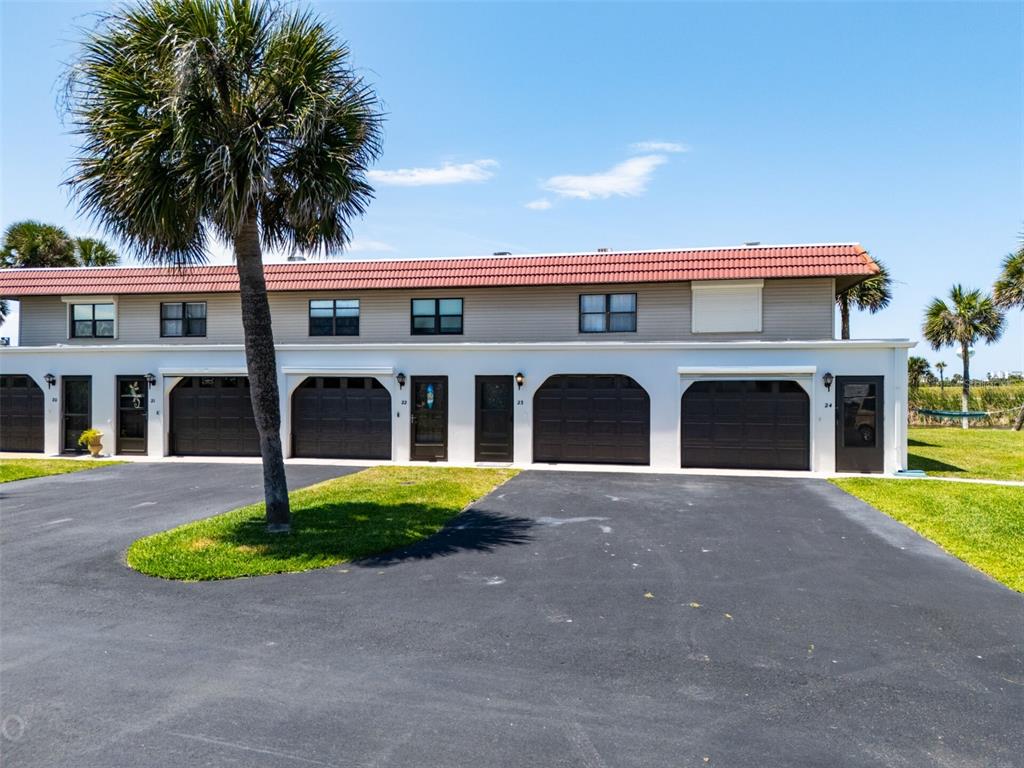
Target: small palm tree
pixel 941 368
pixel 1009 288
pixel 871 295
pixel 970 316
pixel 94 253
pixel 240 120
pixel 1009 293
pixel 34 244
pixel 917 369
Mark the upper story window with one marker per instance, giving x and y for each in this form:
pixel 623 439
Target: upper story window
pixel 726 306
pixel 183 318
pixel 432 316
pixel 92 321
pixel 334 317
pixel 607 312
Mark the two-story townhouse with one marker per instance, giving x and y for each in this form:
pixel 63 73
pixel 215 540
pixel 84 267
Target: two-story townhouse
pixel 694 358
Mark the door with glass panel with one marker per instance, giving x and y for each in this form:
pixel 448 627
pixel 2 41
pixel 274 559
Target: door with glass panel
pixel 429 418
pixel 132 414
pixel 76 411
pixel 860 437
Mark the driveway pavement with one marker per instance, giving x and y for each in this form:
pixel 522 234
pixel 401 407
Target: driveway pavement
pixel 569 619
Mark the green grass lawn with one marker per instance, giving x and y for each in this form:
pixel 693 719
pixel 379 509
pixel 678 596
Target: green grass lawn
pixel 351 517
pixel 22 469
pixel 983 525
pixel 996 454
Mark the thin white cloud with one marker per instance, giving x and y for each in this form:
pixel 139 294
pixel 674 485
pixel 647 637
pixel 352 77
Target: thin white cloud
pixel 659 146
pixel 539 205
pixel 627 179
pixel 370 246
pixel 448 173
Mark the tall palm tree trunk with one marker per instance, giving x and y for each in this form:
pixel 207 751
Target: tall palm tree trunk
pixel 844 315
pixel 965 393
pixel 262 364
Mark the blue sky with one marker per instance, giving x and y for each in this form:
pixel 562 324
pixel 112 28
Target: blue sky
pixel 543 127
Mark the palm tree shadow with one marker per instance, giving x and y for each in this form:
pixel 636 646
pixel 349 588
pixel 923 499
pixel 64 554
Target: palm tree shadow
pixel 931 465
pixel 475 530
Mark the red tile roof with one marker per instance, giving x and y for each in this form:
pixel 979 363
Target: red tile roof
pixel 848 260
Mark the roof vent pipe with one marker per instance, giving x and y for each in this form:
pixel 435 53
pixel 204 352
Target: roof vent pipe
pixel 602 250
pixel 502 253
pixel 753 242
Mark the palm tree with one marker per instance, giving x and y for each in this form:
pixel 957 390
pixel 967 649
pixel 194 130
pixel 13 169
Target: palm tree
pixel 872 295
pixel 34 244
pixel 1009 293
pixel 970 316
pixel 917 368
pixel 240 120
pixel 941 368
pixel 94 253
pixel 1009 288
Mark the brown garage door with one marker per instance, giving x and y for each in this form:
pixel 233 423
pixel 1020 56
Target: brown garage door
pixel 341 418
pixel 591 418
pixel 21 414
pixel 212 416
pixel 746 425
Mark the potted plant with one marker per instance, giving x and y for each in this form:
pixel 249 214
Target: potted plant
pixel 93 439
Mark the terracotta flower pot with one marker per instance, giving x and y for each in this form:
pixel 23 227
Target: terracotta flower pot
pixel 95 447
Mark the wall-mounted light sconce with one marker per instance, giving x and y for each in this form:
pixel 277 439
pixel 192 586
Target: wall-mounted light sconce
pixel 520 379
pixel 151 379
pixel 50 380
pixel 400 378
pixel 827 381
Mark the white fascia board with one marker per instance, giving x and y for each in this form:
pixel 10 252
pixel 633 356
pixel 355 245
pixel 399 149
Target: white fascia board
pixel 348 370
pixel 747 370
pixel 474 346
pixel 204 370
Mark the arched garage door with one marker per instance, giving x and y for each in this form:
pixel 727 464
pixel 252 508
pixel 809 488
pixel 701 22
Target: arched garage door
pixel 341 418
pixel 591 418
pixel 212 416
pixel 21 414
pixel 746 425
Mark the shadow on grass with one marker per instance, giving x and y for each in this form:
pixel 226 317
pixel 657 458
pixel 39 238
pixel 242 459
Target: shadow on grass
pixel 920 444
pixel 475 530
pixel 376 534
pixel 916 461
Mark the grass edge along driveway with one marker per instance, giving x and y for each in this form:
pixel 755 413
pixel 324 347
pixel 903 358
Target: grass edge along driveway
pixel 982 525
pixel 23 469
pixel 347 518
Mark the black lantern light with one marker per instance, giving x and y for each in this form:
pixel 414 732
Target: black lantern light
pixel 50 380
pixel 400 378
pixel 151 379
pixel 827 381
pixel 520 379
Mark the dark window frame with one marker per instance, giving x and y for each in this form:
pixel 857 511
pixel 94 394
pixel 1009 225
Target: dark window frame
pixel 437 329
pixel 184 320
pixel 608 313
pixel 334 318
pixel 73 322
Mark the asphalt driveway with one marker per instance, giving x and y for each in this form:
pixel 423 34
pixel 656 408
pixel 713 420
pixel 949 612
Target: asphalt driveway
pixel 595 620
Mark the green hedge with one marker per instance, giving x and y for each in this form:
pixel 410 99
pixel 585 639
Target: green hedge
pixel 983 398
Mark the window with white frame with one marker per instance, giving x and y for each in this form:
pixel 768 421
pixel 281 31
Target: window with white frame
pixel 726 306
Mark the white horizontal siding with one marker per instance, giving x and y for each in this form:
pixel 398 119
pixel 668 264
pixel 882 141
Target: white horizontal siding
pixel 792 309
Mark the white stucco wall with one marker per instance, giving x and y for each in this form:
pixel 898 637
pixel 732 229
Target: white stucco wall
pixel 663 369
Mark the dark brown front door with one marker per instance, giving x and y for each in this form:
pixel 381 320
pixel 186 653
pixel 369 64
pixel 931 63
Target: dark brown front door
pixel 429 418
pixel 860 443
pixel 132 414
pixel 76 410
pixel 21 414
pixel 494 418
